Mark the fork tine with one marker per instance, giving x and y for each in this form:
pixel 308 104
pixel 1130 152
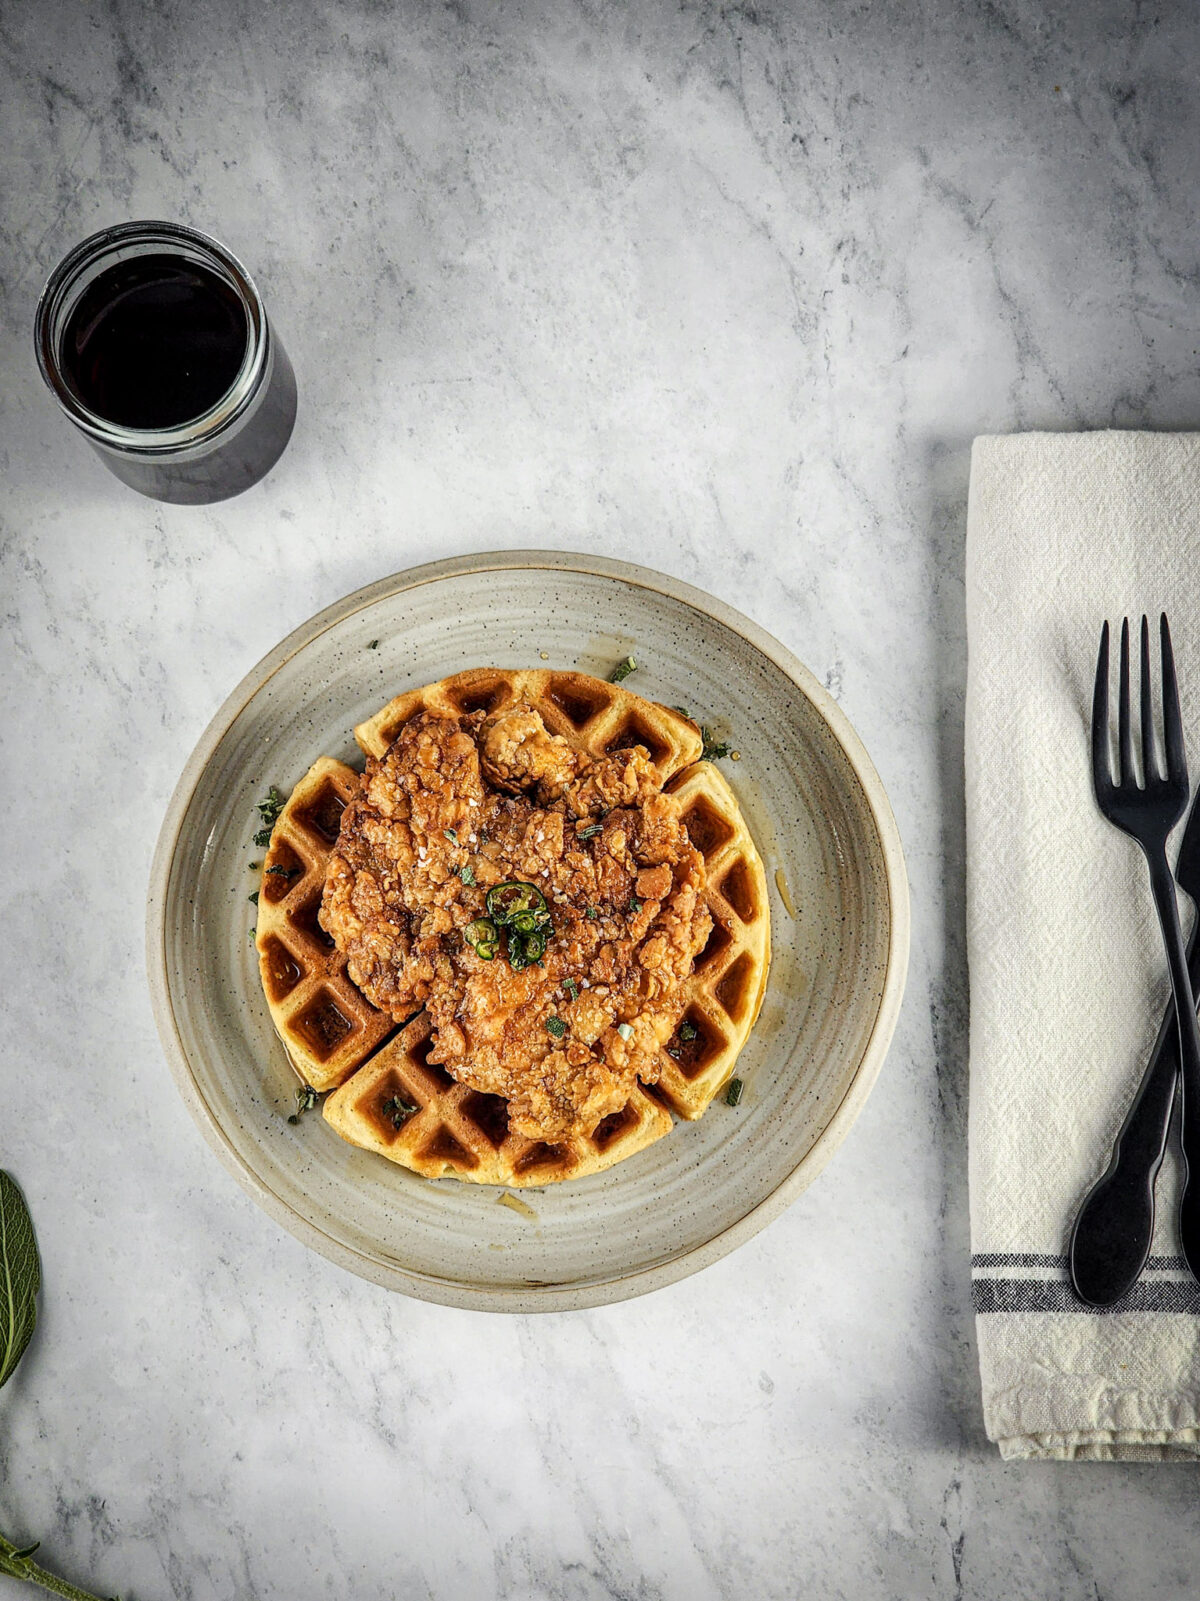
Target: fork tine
pixel 1172 721
pixel 1150 770
pixel 1101 774
pixel 1124 730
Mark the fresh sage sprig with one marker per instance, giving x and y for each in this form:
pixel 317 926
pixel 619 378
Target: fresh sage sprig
pixel 20 1280
pixel 18 1564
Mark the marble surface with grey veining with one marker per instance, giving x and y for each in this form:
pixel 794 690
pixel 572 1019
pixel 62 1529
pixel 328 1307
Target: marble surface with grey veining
pixel 726 290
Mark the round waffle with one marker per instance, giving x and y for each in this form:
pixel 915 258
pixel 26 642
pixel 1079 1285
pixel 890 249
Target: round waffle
pixel 338 1041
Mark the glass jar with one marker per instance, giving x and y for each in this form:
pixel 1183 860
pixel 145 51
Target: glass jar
pixel 242 430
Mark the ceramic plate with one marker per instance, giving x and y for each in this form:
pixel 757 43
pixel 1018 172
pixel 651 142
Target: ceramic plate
pixel 814 805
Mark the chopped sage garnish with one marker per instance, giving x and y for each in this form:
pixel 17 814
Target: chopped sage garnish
pixel 253 899
pixel 713 749
pixel 372 644
pixel 467 874
pixel 572 988
pixel 284 872
pixel 625 1031
pixel 270 808
pixel 451 835
pixel 734 1093
pixel 593 912
pixel 688 1031
pixel 556 1026
pixel 398 1111
pixel 683 712
pixel 262 838
pixel 622 670
pixel 306 1099
pixel 590 831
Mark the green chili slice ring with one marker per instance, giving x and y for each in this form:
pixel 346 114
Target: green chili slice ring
pixel 530 922
pixel 525 949
pixel 506 902
pixel 483 938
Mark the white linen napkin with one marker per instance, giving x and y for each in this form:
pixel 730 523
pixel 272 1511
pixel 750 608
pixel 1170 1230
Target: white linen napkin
pixel 1068 973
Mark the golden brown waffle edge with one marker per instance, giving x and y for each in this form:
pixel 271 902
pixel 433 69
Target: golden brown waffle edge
pixel 327 1025
pixel 454 1131
pixel 590 714
pixel 729 978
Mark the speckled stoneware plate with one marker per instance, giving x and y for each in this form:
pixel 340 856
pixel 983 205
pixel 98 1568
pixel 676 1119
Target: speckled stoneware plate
pixel 814 805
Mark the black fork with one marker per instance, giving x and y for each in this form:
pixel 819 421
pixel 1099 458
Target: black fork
pixel 1147 812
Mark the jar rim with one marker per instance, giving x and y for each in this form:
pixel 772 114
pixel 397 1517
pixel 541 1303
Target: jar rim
pixel 81 266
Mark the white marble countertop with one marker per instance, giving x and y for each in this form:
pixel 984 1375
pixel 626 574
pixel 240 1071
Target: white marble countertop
pixel 723 290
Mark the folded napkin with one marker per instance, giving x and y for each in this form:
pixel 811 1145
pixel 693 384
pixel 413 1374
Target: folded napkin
pixel 1068 973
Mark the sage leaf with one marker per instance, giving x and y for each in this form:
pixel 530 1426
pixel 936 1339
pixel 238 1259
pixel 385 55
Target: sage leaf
pixel 20 1277
pixel 20 1280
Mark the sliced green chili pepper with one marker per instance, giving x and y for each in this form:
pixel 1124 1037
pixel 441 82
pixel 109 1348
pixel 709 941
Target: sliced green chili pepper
pixel 525 949
pixel 505 902
pixel 482 937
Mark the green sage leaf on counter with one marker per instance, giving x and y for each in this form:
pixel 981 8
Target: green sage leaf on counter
pixel 20 1280
pixel 20 1277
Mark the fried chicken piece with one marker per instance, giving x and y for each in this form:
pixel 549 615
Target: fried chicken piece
pixel 517 751
pixel 457 805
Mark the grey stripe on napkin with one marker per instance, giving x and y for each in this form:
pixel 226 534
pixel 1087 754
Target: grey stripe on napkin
pixel 1067 974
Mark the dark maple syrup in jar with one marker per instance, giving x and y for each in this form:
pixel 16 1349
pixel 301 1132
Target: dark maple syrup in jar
pixel 154 342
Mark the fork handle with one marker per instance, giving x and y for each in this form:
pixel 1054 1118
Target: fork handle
pixel 1163 884
pixel 1114 1228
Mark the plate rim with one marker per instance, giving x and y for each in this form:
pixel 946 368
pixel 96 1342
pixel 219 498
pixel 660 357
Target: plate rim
pixel 556 1297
